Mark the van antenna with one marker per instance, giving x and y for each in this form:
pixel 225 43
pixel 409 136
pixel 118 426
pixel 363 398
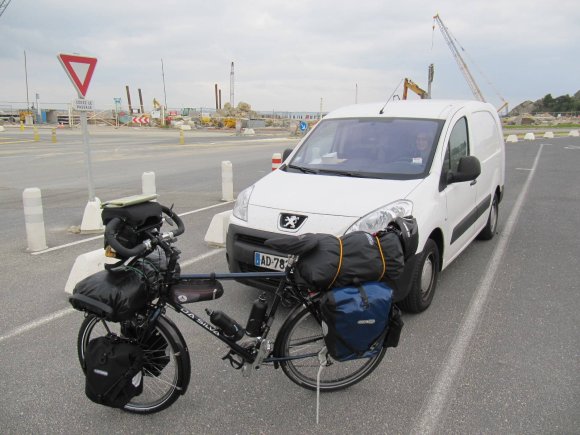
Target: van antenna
pixel 389 99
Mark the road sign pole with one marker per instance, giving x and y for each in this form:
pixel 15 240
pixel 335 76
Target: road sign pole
pixel 87 146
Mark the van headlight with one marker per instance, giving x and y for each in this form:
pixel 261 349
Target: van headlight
pixel 380 218
pixel 241 205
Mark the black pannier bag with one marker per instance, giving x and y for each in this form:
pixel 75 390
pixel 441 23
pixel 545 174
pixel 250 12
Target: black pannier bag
pixel 113 371
pixel 137 218
pixel 328 261
pixel 355 320
pixel 117 294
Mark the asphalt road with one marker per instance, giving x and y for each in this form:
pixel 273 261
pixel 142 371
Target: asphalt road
pixel 497 352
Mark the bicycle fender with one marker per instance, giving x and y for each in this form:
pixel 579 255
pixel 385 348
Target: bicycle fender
pixel 183 350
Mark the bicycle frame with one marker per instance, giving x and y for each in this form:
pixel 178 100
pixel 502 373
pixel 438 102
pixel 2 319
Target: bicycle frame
pixel 248 354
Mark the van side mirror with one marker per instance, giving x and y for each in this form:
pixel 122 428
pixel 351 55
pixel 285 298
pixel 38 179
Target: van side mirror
pixel 468 169
pixel 287 152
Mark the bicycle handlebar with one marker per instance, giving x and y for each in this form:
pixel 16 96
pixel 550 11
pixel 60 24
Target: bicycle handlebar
pixel 113 225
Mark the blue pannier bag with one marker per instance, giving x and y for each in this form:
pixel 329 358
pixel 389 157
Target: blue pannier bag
pixel 355 320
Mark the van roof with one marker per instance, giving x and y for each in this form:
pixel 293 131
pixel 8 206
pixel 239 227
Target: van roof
pixel 429 109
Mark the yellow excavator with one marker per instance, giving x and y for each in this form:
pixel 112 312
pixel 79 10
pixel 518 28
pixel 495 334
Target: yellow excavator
pixel 410 84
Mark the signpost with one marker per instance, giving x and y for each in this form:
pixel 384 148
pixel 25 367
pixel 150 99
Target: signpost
pixel 80 71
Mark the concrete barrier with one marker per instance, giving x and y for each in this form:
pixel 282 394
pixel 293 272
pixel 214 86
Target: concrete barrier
pixel 2 128
pixel 148 183
pixel 218 228
pixel 512 138
pixel 92 222
pixel 529 136
pixel 574 133
pixel 85 265
pixel 248 132
pixel 34 219
pixel 227 181
pixel 185 127
pixel 549 135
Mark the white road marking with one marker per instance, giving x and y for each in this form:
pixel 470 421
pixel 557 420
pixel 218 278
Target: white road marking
pixel 439 394
pixel 57 315
pixel 56 248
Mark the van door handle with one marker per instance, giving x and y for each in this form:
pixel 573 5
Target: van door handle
pixel 473 182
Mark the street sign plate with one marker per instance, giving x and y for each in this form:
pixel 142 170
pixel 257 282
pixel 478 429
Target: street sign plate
pixel 82 105
pixel 79 69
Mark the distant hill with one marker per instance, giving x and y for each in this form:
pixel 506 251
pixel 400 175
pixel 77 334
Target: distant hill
pixel 562 104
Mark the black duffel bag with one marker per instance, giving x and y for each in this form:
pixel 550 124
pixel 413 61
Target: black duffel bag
pixel 326 261
pixel 115 296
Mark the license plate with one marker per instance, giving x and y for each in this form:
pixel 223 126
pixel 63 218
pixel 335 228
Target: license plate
pixel 273 262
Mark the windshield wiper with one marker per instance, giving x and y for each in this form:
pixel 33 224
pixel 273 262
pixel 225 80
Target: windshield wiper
pixel 348 174
pixel 303 169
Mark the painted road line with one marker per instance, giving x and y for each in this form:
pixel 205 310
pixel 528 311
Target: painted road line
pixel 67 245
pixel 57 315
pixel 440 393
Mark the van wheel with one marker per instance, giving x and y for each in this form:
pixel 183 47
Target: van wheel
pixel 424 280
pixel 491 227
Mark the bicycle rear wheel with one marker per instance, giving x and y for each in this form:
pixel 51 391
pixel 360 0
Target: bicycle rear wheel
pixel 301 338
pixel 166 368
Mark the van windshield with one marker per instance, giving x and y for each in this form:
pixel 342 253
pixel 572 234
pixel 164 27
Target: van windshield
pixel 390 148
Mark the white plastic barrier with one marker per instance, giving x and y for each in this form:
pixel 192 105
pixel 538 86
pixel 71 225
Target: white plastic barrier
pixel 529 136
pixel 92 222
pixel 227 181
pixel 85 265
pixel 218 228
pixel 34 219
pixel 549 135
pixel 574 133
pixel 148 183
pixel 276 161
pixel 512 138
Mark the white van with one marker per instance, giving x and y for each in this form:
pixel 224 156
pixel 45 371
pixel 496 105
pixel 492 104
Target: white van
pixel 442 162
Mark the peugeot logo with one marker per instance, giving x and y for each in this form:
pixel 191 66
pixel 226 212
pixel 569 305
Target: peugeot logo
pixel 291 222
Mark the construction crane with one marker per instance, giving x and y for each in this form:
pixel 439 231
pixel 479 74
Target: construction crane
pixel 463 66
pixel 3 5
pixel 460 62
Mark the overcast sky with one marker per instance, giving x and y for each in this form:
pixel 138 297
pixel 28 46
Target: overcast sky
pixel 288 55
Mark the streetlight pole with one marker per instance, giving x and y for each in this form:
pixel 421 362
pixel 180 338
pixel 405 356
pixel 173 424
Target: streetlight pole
pixel 26 77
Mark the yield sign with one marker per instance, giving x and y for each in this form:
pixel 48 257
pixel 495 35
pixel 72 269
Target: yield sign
pixel 79 69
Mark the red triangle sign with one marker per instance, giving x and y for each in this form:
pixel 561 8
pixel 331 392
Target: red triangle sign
pixel 79 69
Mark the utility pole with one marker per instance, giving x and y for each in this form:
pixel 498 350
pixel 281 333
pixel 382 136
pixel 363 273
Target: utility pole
pixel 232 86
pixel 26 77
pixel 356 94
pixel 163 76
pixel 320 114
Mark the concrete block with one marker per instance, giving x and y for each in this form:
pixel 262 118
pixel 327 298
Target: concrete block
pixel 549 135
pixel 92 222
pixel 248 132
pixel 218 228
pixel 512 138
pixel 529 136
pixel 85 265
pixel 574 133
pixel 2 128
pixel 185 127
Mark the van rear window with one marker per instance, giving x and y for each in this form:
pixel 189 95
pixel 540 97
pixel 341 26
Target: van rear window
pixel 390 148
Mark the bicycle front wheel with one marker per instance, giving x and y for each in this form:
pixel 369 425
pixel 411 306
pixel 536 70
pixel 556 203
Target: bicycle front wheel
pixel 301 340
pixel 166 367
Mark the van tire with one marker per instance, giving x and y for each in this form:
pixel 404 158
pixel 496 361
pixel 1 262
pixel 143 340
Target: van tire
pixel 491 226
pixel 424 280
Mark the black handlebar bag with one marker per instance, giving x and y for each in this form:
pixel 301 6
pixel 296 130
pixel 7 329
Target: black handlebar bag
pixel 113 371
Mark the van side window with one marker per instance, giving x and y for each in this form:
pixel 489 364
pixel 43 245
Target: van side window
pixel 457 147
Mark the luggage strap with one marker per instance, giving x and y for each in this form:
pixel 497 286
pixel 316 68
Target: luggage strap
pixel 339 264
pixel 382 258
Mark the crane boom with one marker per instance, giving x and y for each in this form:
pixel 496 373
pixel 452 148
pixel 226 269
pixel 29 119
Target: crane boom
pixel 3 5
pixel 460 62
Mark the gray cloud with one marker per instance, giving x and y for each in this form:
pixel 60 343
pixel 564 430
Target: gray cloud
pixel 287 55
